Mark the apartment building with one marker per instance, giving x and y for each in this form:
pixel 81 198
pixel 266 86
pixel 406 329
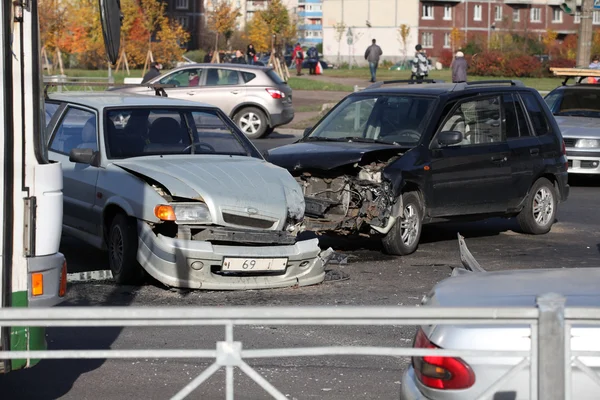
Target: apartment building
pixel 310 22
pixel 189 14
pixel 350 25
pixel 482 18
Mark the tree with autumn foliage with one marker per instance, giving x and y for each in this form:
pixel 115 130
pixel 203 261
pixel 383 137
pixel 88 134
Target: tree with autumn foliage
pixel 78 31
pixel 549 40
pixel 221 20
pixel 274 20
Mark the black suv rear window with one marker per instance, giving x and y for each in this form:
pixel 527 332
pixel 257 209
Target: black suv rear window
pixel 536 113
pixel 273 75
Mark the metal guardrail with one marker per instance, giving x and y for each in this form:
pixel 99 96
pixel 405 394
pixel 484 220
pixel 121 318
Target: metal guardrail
pixel 549 359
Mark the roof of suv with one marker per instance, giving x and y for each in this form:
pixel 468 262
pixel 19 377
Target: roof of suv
pixel 226 65
pixel 101 100
pixel 438 88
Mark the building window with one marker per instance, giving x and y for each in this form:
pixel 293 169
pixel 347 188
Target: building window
pixel 427 40
pixel 182 4
pixel 446 40
pixel 536 15
pixel 596 18
pixel 498 13
pixel 516 15
pixel 447 13
pixel 183 21
pixel 577 18
pixel 477 12
pixel 427 11
pixel 557 15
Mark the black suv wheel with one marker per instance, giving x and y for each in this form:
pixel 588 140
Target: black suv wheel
pixel 539 212
pixel 403 238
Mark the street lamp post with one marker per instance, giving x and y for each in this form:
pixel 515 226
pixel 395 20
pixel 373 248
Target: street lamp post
pixel 350 41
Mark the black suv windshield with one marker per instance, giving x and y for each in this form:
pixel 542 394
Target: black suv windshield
pixel 575 102
pixel 169 131
pixel 394 119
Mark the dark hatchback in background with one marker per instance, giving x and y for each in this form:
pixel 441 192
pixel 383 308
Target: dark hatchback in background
pixel 392 157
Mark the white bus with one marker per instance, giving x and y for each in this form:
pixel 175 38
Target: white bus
pixel 32 271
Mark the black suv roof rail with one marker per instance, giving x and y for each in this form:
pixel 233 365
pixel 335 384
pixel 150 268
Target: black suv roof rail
pixel 465 85
pixel 409 81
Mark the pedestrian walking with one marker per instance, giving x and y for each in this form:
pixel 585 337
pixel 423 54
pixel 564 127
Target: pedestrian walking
pixel 372 55
pixel 251 53
pixel 459 68
pixel 153 72
pixel 420 65
pixel 298 57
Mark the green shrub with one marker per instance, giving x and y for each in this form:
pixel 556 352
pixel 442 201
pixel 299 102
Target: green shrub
pixel 196 55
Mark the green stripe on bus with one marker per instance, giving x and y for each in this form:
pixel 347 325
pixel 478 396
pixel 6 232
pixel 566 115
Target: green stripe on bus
pixel 25 338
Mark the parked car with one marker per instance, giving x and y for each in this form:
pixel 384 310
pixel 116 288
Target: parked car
pixel 174 188
pixel 437 378
pixel 576 109
pixel 255 97
pixel 390 158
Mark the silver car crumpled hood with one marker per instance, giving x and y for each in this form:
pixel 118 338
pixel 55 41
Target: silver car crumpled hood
pixel 514 288
pixel 238 185
pixel 579 127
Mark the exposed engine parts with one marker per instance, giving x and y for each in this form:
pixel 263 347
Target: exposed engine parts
pixel 347 203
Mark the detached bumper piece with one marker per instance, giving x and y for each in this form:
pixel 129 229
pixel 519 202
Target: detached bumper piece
pixel 200 264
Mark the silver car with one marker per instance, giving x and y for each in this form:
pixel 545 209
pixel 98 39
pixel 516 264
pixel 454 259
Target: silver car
pixel 437 378
pixel 576 109
pixel 256 98
pixel 173 188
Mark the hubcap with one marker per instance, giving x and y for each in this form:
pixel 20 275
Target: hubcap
pixel 543 206
pixel 409 226
pixel 250 123
pixel 116 248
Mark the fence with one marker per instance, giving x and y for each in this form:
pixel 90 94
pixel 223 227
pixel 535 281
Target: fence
pixel 550 357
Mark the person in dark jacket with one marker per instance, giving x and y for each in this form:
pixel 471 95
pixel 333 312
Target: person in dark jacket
pixel 153 72
pixel 208 57
pixel 459 68
pixel 313 58
pixel 251 53
pixel 372 56
pixel 239 58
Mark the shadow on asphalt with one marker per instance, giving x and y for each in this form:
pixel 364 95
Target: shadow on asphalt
pixel 584 180
pixel 52 379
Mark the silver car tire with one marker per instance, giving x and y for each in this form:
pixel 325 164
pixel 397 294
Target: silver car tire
pixel 539 212
pixel 122 244
pixel 403 238
pixel 252 122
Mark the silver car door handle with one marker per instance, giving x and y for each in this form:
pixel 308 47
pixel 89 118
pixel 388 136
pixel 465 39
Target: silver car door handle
pixel 191 93
pixel 234 91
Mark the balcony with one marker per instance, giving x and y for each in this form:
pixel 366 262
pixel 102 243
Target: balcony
pixel 310 14
pixel 310 27
pixel 300 2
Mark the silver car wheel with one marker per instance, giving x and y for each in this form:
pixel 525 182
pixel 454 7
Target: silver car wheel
pixel 250 123
pixel 543 206
pixel 409 225
pixel 116 247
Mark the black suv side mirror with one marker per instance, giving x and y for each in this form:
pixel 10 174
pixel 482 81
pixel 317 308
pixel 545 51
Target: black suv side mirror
pixel 449 138
pixel 83 156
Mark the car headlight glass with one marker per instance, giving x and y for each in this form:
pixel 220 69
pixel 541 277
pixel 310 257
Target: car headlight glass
pixel 588 143
pixel 191 213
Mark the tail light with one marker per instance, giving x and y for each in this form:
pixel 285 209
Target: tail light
pixel 440 372
pixel 276 94
pixel 62 290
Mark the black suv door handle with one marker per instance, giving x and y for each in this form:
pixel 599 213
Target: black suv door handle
pixel 534 152
pixel 499 159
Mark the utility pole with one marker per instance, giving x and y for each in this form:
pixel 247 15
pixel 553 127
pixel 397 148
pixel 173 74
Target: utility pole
pixel 584 45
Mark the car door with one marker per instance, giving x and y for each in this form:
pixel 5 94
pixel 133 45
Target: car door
pixel 221 87
pixel 474 176
pixel 525 148
pixel 187 82
pixel 78 128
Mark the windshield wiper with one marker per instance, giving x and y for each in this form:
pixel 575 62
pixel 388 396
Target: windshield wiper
pixel 365 140
pixel 322 139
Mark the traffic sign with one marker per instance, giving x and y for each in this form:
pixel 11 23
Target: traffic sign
pixel 597 4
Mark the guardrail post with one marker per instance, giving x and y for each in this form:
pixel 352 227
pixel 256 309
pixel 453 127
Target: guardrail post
pixel 551 347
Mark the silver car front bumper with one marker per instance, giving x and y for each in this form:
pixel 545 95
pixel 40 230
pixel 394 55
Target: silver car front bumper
pixel 170 261
pixel 583 162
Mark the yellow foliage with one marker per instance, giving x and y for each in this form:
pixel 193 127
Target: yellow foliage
pixel 222 17
pixel 457 38
pixel 275 20
pixel 257 33
pixel 549 40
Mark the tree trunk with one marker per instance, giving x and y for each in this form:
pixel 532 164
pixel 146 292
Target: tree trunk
pixel 584 42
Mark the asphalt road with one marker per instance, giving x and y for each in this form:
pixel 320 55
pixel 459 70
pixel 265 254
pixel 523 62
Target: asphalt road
pixel 372 279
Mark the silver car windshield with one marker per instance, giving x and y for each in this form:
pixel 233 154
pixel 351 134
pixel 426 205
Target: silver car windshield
pixel 137 132
pixel 389 119
pixel 575 103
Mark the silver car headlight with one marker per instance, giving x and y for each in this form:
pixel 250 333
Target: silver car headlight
pixel 191 213
pixel 588 143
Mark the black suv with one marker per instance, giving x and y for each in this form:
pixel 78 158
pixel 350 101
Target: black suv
pixel 389 158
